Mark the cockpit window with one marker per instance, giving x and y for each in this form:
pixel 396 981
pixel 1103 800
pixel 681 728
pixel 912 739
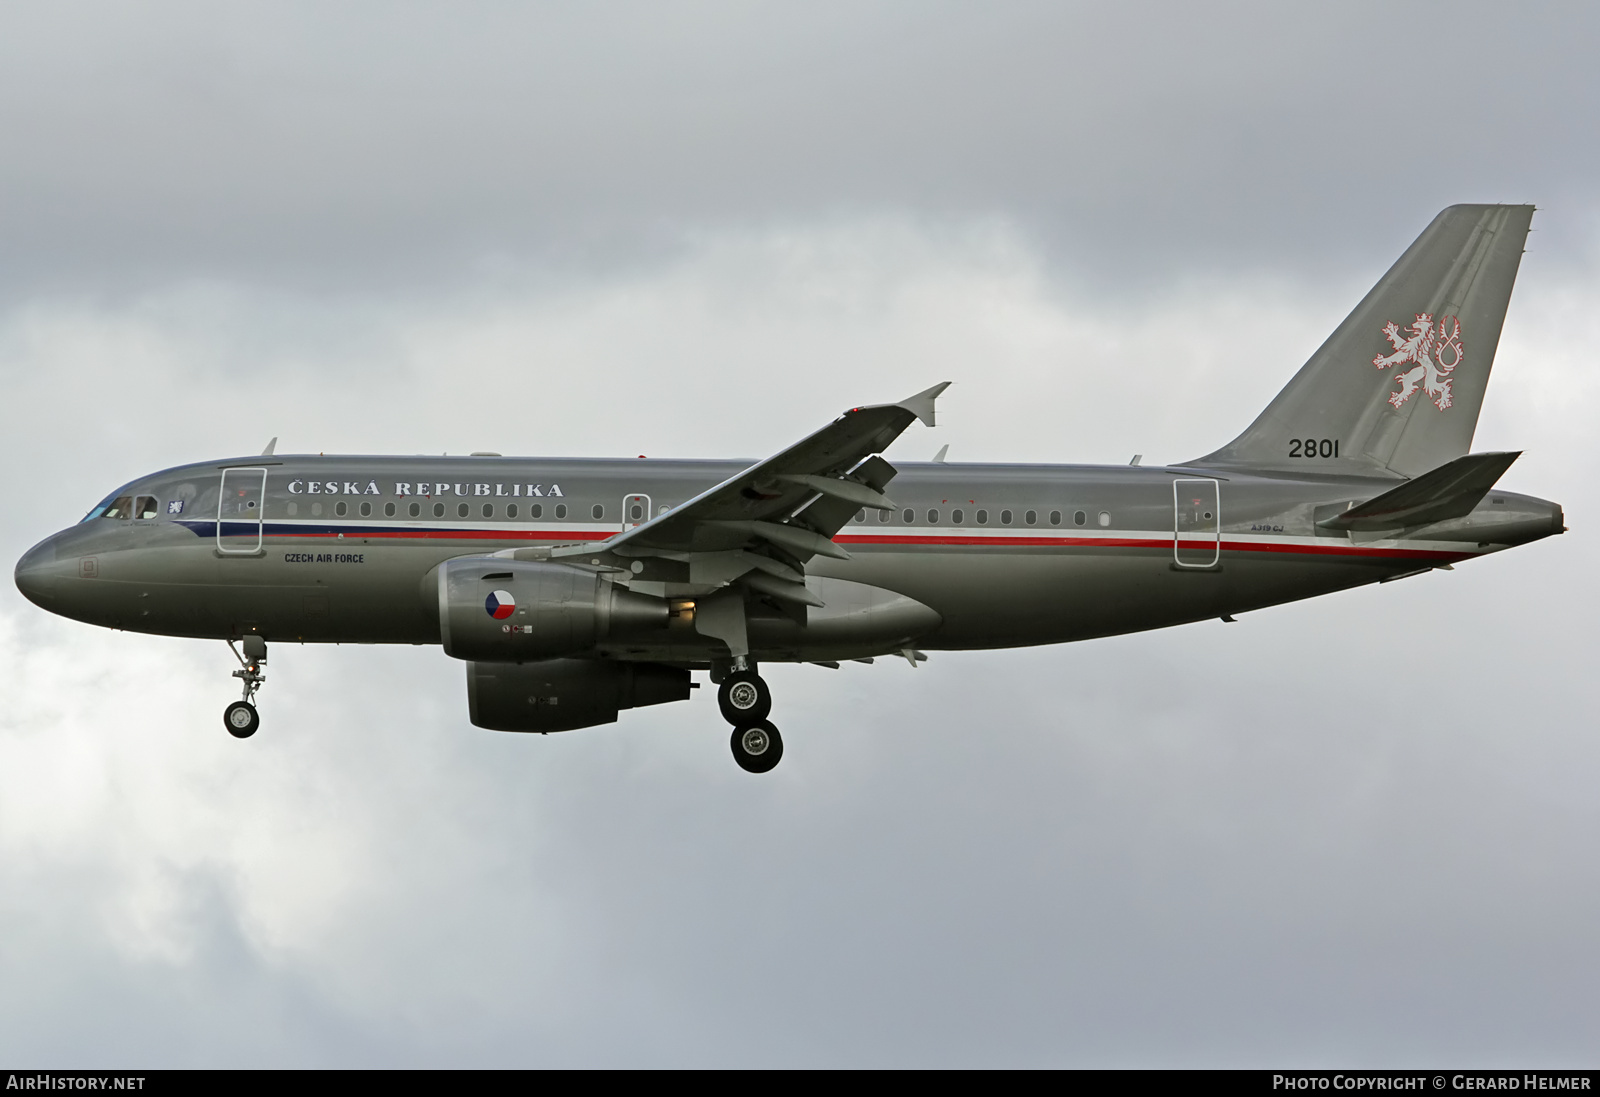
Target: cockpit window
pixel 115 505
pixel 145 507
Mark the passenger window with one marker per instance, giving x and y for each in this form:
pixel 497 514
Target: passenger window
pixel 933 518
pixel 598 511
pixel 488 510
pixel 415 510
pixel 561 510
pixel 861 515
pixel 983 518
pixel 122 508
pixel 340 508
pixel 1031 517
pixel 956 516
pixel 885 515
pixel 438 510
pixel 511 510
pixel 909 516
pixel 316 510
pixel 294 509
pixel 1079 518
pixel 388 510
pixel 1005 518
pixel 366 509
pixel 146 507
pixel 1105 518
pixel 463 510
pixel 536 511
pixel 1055 518
pixel 635 512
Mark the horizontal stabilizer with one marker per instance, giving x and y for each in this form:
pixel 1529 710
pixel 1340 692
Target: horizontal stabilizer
pixel 1450 491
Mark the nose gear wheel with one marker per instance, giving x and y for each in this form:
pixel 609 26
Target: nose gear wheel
pixel 241 719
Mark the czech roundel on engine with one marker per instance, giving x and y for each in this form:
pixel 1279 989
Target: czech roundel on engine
pixel 500 604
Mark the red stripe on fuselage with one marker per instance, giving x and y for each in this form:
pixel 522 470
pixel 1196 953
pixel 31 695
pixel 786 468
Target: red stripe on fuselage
pixel 1164 543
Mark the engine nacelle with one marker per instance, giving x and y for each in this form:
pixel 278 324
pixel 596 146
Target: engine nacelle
pixel 494 610
pixel 563 694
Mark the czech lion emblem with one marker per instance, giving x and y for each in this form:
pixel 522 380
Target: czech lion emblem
pixel 1434 355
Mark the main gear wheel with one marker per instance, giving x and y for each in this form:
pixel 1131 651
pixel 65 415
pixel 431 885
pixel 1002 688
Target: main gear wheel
pixel 757 746
pixel 744 698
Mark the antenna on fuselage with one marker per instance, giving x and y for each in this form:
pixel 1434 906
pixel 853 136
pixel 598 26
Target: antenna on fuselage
pixel 938 458
pixel 272 445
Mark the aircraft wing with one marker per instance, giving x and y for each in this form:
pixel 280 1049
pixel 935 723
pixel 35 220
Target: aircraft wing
pixel 794 501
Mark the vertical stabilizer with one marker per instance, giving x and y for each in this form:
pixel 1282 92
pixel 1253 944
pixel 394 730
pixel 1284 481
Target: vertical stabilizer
pixel 1397 387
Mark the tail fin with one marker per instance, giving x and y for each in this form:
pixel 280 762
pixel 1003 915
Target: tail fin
pixel 1397 387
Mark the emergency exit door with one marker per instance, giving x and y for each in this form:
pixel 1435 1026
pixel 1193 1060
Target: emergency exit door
pixel 1196 523
pixel 635 511
pixel 244 494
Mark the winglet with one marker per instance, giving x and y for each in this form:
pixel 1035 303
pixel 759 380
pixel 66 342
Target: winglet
pixel 272 445
pixel 921 405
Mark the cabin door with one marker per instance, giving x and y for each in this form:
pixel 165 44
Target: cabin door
pixel 1196 523
pixel 635 511
pixel 244 495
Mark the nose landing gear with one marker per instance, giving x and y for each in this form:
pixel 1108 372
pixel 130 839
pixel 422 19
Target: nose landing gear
pixel 241 718
pixel 745 702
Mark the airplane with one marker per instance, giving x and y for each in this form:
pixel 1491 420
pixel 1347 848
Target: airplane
pixel 575 589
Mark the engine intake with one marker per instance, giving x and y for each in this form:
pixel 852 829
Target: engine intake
pixel 563 694
pixel 493 610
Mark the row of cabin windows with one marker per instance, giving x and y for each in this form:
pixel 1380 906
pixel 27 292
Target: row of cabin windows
pixel 463 510
pixel 958 517
pixel 146 506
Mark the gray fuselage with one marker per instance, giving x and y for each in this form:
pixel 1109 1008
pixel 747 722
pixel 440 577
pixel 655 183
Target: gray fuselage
pixel 341 549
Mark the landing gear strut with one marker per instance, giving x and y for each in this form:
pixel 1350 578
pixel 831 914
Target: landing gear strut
pixel 745 702
pixel 241 718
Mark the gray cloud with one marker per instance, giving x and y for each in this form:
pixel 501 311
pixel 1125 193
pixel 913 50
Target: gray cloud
pixel 361 145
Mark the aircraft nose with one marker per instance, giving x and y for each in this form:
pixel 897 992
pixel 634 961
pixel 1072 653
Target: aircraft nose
pixel 35 574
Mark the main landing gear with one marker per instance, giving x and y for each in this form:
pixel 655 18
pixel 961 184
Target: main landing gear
pixel 241 718
pixel 745 702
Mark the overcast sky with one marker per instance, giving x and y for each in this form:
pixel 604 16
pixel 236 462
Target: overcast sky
pixel 1354 830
